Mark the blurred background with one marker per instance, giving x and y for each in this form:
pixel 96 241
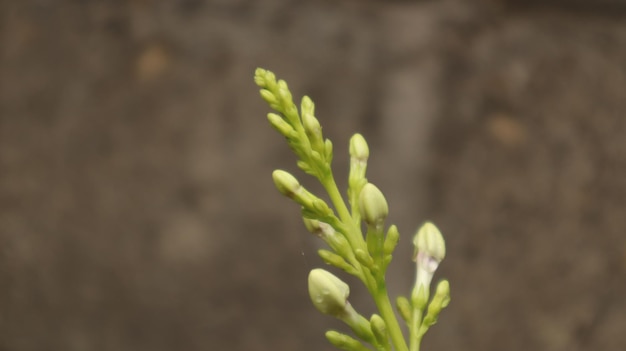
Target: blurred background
pixel 137 210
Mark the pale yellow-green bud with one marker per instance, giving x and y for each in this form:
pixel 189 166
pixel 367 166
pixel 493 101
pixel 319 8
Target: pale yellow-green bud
pixel 430 241
pixel 404 307
pixel 327 233
pixel 287 184
pixel 318 205
pixel 333 259
pixel 359 153
pixel 359 148
pixel 307 105
pixel 311 124
pixel 313 130
pixel 344 342
pixel 391 240
pixel 280 124
pixel 268 96
pixel 328 151
pixel 259 76
pixel 379 329
pixel 283 92
pixel 328 293
pixel 315 227
pixel 373 205
pixel 439 302
pixel 364 258
pixel 443 293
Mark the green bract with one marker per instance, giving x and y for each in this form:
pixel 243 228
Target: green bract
pixel 363 255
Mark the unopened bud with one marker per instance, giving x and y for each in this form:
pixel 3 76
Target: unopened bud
pixel 260 75
pixel 311 125
pixel 307 109
pixel 373 205
pixel 391 240
pixel 283 92
pixel 333 259
pixel 328 293
pixel 439 302
pixel 443 293
pixel 364 258
pixel 429 241
pixel 430 249
pixel 404 307
pixel 268 96
pixel 359 148
pixel 344 342
pixel 328 151
pixel 280 124
pixel 287 184
pixel 379 329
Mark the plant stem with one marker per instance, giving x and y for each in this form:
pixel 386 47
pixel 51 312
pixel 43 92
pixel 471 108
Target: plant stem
pixel 376 286
pixel 354 233
pixel 416 321
pixel 381 297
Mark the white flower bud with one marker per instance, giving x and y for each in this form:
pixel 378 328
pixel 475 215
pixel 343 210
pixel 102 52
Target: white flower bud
pixel 430 249
pixel 429 241
pixel 328 293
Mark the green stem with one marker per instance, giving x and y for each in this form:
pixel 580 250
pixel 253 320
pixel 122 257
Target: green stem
pixel 381 297
pixel 376 286
pixel 354 233
pixel 415 337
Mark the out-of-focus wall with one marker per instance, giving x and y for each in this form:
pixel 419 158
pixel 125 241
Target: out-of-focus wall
pixel 137 210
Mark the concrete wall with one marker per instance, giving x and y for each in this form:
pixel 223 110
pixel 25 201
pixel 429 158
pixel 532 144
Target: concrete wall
pixel 137 210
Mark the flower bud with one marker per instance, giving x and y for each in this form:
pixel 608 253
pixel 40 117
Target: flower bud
pixel 430 249
pixel 259 77
pixel 315 227
pixel 335 260
pixel 364 258
pixel 328 293
pixel 268 96
pixel 439 302
pixel 328 151
pixel 429 241
pixel 327 233
pixel 359 153
pixel 404 307
pixel 344 342
pixel 311 125
pixel 284 93
pixel 313 130
pixel 443 293
pixel 280 124
pixel 359 148
pixel 287 184
pixel 379 329
pixel 372 205
pixel 391 240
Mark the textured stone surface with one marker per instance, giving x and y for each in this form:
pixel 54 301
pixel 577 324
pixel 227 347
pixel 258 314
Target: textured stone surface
pixel 137 210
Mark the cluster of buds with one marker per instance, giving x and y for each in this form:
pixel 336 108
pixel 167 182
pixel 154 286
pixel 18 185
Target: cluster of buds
pixel 329 295
pixel 363 255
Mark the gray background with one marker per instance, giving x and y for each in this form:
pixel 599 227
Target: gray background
pixel 137 210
